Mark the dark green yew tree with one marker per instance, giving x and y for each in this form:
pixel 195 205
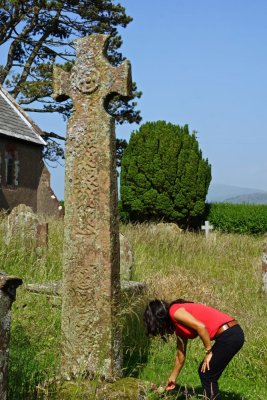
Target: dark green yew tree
pixel 163 175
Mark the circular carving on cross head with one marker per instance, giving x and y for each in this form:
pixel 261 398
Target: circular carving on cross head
pixel 86 81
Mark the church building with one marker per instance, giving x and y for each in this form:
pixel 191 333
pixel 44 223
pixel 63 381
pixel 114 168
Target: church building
pixel 24 178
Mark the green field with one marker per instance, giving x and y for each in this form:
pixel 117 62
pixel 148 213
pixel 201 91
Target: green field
pixel 224 272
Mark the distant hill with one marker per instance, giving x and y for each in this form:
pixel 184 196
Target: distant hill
pixel 219 193
pixel 254 198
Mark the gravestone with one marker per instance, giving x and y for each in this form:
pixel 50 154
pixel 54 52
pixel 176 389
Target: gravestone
pixel 165 228
pixel 91 282
pixel 207 228
pixel 42 234
pixel 24 225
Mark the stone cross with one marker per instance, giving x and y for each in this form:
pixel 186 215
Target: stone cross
pixel 91 282
pixel 207 228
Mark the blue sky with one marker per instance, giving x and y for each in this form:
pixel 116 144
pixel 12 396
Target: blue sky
pixel 201 63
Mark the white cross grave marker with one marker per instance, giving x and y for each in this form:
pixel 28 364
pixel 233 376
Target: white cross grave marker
pixel 207 228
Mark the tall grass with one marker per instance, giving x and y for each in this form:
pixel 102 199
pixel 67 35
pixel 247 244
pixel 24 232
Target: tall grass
pixel 35 336
pixel 224 273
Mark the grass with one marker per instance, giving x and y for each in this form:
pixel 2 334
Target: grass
pixel 224 273
pixel 35 336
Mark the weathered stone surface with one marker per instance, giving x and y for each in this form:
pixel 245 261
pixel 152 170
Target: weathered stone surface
pixel 91 238
pixel 8 285
pixel 123 389
pixel 47 202
pixel 42 235
pixel 24 225
pixel 166 227
pixel 126 258
pixel 55 288
pixel 49 288
pixel 132 288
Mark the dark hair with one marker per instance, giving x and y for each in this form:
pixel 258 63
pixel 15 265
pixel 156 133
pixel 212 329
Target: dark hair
pixel 157 319
pixel 180 301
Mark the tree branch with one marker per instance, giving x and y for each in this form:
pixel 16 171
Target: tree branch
pixel 13 48
pixel 40 110
pixel 34 52
pixel 8 27
pixel 28 101
pixel 53 135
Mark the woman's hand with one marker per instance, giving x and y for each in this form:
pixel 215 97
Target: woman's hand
pixel 170 385
pixel 206 362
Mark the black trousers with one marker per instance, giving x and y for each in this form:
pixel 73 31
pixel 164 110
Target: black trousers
pixel 226 345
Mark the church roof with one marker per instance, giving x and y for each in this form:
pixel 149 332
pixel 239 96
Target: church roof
pixel 15 122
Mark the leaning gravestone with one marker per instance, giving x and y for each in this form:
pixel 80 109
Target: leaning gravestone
pixel 91 283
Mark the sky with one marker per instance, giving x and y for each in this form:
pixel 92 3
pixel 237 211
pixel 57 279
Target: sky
pixel 201 63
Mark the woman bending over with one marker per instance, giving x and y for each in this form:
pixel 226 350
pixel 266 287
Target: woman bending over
pixel 189 320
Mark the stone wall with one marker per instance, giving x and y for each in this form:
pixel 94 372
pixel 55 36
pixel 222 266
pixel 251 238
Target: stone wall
pixel 47 202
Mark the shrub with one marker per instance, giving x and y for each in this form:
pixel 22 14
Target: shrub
pixel 238 218
pixel 163 175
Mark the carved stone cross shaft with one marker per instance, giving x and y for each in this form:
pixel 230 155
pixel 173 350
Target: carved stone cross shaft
pixel 91 233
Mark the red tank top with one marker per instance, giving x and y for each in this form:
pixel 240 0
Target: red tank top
pixel 211 317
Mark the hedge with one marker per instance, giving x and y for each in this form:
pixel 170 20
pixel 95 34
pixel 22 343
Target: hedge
pixel 238 218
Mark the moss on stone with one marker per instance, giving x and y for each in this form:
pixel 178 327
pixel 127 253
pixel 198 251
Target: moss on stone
pixel 122 389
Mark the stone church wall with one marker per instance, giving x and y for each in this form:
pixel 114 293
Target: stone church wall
pixel 47 202
pixel 24 178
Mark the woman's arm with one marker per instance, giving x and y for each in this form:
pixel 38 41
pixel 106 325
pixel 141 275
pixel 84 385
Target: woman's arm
pixel 187 319
pixel 178 362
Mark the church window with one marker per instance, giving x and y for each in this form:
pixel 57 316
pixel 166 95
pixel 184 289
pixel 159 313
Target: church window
pixel 11 166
